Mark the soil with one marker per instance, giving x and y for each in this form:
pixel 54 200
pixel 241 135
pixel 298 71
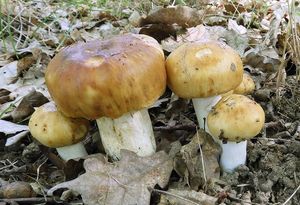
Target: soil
pixel 271 174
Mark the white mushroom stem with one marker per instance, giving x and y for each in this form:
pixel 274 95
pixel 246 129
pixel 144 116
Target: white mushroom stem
pixel 72 151
pixel 202 107
pixel 233 155
pixel 132 131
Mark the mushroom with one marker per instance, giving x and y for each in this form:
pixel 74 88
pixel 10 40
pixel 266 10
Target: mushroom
pixel 246 87
pixel 52 129
pixel 202 71
pixel 232 121
pixel 112 81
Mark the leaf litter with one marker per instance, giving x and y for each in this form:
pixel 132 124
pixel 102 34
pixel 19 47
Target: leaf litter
pixel 32 32
pixel 124 182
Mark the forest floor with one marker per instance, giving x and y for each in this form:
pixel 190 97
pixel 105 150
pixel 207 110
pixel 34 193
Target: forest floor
pixel 266 34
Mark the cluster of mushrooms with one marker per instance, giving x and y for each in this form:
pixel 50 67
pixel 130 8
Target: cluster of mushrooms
pixel 114 81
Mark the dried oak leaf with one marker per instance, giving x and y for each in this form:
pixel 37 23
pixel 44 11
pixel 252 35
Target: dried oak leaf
pixel 189 163
pixel 203 33
pixel 123 182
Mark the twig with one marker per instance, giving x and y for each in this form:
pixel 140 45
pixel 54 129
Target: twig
pixel 202 160
pixel 33 200
pixel 12 164
pixel 275 139
pixel 273 124
pixel 240 200
pixel 291 196
pixel 37 177
pixel 171 194
pixel 176 127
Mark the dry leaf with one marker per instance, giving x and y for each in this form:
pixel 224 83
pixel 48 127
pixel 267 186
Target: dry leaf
pixel 8 74
pixel 181 15
pixel 189 164
pixel 25 63
pixel 10 128
pixel 204 33
pixel 233 25
pixel 27 104
pixel 16 138
pixel 124 182
pixel 159 31
pixel 266 59
pixel 5 96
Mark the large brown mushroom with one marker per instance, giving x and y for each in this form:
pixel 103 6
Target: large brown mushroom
pixel 112 81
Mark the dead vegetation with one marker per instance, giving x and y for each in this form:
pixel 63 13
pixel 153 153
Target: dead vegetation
pixel 266 34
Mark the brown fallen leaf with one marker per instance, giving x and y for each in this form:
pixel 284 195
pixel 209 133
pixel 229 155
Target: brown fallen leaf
pixel 181 15
pixel 159 31
pixel 25 63
pixel 264 58
pixel 123 182
pixel 4 96
pixel 16 189
pixel 189 163
pixel 26 106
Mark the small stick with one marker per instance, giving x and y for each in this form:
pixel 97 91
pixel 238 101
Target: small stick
pixel 33 200
pixel 171 194
pixel 176 127
pixel 291 196
pixel 240 200
pixel 202 159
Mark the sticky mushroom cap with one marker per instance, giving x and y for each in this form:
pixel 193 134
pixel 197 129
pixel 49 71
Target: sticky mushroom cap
pixel 236 118
pixel 203 69
pixel 52 129
pixel 107 78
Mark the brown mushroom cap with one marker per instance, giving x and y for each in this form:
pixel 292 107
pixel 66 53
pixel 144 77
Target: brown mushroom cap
pixel 52 129
pixel 107 78
pixel 236 118
pixel 203 69
pixel 246 87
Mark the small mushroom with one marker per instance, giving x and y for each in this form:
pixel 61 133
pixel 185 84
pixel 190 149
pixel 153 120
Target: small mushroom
pixel 232 121
pixel 113 81
pixel 246 87
pixel 201 71
pixel 52 129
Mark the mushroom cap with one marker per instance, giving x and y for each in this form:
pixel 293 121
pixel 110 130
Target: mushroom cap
pixel 52 129
pixel 107 78
pixel 236 118
pixel 246 87
pixel 203 69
